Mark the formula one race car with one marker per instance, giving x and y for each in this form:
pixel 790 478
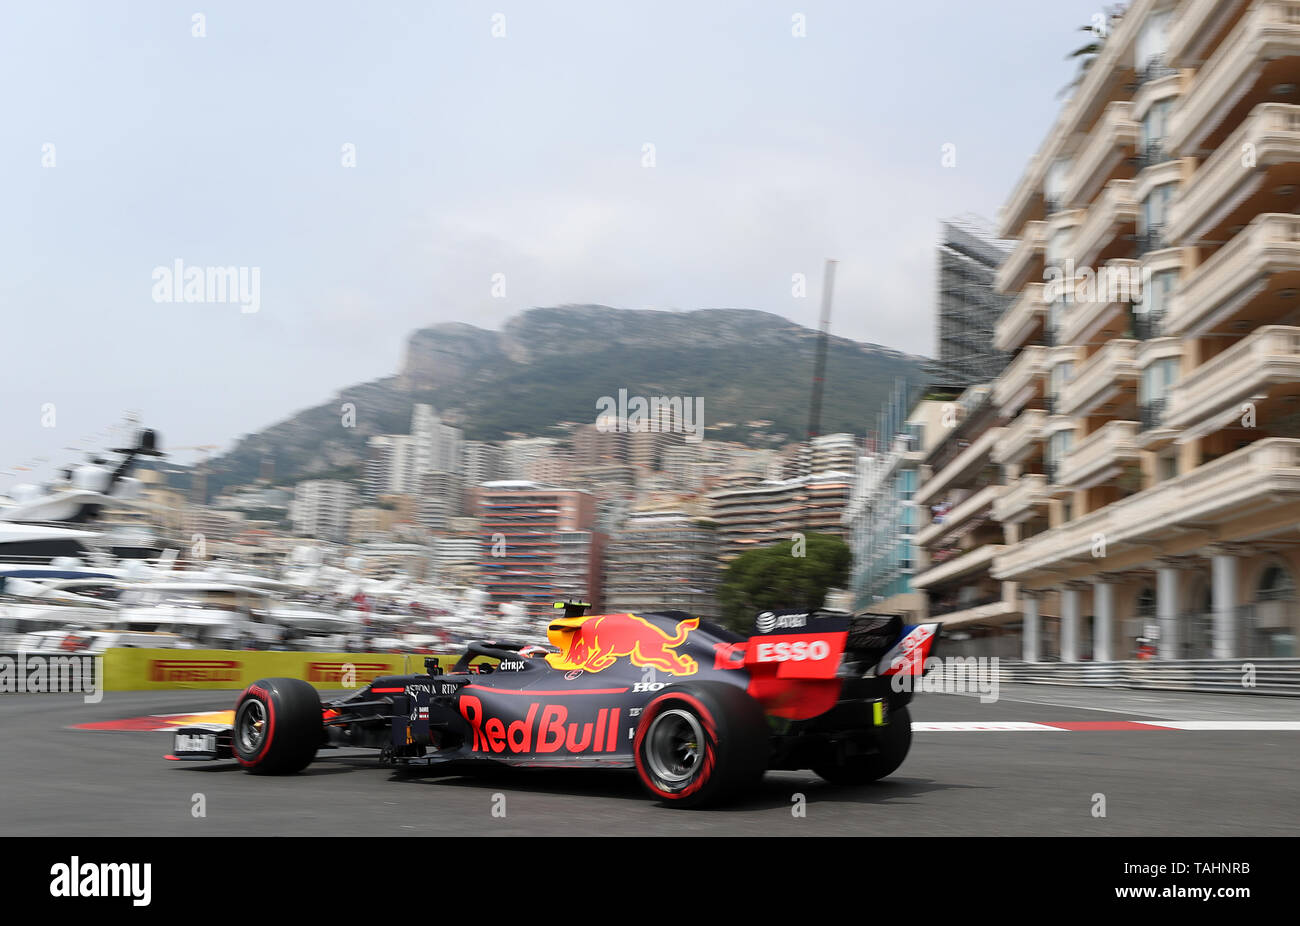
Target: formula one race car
pixel 700 712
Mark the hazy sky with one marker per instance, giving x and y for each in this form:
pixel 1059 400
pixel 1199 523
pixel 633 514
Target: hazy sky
pixel 475 155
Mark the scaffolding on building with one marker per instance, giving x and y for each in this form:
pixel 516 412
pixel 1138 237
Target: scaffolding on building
pixel 968 305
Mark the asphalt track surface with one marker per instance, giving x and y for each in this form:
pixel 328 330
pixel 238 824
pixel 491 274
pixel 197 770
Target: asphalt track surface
pixel 55 780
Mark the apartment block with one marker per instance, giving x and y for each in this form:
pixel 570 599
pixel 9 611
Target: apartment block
pixel 663 560
pixel 1133 482
pixel 538 544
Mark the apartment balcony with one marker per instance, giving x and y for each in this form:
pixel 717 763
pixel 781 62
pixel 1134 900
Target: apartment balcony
pixel 980 558
pixel 994 611
pixel 966 464
pixel 1256 272
pixel 1100 456
pixel 1102 377
pixel 1023 499
pixel 1250 61
pixel 1026 315
pixel 1025 262
pixel 1021 379
pixel 1250 481
pixel 1104 156
pixel 1020 437
pixel 1267 358
pixel 1102 303
pixel 959 516
pixel 1198 28
pixel 1222 192
pixel 1112 216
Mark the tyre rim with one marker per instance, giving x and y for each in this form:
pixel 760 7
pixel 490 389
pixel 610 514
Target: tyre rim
pixel 252 725
pixel 675 748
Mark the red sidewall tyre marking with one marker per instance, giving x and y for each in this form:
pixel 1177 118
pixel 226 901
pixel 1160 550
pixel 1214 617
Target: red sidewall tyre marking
pixel 711 737
pixel 270 729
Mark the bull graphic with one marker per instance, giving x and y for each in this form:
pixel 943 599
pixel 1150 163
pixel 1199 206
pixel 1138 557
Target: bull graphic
pixel 597 644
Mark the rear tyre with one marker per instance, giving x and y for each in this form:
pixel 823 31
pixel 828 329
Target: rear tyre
pixel 701 743
pixel 277 727
pixel 894 740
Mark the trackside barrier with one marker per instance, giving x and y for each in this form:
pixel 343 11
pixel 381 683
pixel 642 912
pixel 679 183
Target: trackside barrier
pixel 1224 676
pixel 131 669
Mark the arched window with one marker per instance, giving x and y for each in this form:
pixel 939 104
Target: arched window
pixel 1275 584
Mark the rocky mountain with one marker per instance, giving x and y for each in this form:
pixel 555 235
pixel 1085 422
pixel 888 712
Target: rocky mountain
pixel 550 365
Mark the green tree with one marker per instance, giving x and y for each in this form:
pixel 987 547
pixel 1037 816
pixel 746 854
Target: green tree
pixel 1087 53
pixel 774 578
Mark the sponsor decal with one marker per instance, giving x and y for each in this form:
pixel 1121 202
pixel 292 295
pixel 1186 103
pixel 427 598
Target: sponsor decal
pixel 365 672
pixel 729 655
pixel 544 728
pixel 771 620
pixel 602 640
pixel 792 651
pixel 912 650
pixel 194 670
pixel 511 665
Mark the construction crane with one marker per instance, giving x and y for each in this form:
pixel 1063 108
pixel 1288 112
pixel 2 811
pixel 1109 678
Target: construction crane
pixel 819 379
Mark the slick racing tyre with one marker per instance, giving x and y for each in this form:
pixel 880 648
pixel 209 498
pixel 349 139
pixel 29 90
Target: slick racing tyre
pixel 277 726
pixel 894 740
pixel 701 743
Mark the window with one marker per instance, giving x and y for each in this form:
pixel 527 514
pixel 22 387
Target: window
pixel 1152 40
pixel 1275 584
pixel 1157 377
pixel 1155 125
pixel 1155 207
pixel 1166 467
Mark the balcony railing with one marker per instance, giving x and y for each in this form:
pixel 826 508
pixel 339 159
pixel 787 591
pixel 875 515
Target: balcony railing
pixel 1271 133
pixel 1151 414
pixel 1028 250
pixel 1106 148
pixel 1239 270
pixel 1099 452
pixel 1153 239
pixel 1029 364
pixel 1108 215
pixel 1109 370
pixel 1269 30
pixel 1021 317
pixel 950 604
pixel 1020 436
pixel 1152 153
pixel 1155 69
pixel 1147 326
pixel 1268 356
pixel 1022 496
pixel 1265 473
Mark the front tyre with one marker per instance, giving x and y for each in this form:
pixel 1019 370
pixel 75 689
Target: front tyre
pixel 701 743
pixel 277 727
pixel 893 741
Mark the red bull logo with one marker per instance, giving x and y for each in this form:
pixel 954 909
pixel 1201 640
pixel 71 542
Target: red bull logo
pixel 550 732
pixel 598 642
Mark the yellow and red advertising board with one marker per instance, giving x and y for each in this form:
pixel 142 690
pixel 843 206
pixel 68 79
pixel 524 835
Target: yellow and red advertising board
pixel 130 669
